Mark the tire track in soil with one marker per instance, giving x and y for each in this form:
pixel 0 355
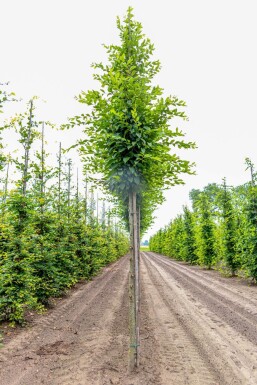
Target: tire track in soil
pixel 84 341
pixel 230 354
pixel 231 310
pixel 58 338
pixel 220 283
pixel 239 288
pixel 181 361
pixel 113 370
pixel 185 338
pixel 23 340
pixel 84 364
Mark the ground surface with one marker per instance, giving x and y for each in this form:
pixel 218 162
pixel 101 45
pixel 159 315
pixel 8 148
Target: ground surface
pixel 196 328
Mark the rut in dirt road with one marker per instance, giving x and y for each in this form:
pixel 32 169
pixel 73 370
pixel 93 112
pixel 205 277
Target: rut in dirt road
pixel 197 328
pixel 206 325
pixel 84 341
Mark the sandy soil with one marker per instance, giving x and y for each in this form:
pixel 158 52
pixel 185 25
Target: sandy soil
pixel 196 328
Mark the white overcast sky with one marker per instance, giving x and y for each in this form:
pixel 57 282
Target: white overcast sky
pixel 208 53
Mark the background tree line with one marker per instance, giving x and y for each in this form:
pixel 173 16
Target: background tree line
pixel 219 231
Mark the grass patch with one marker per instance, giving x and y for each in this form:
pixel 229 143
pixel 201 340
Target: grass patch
pixel 144 248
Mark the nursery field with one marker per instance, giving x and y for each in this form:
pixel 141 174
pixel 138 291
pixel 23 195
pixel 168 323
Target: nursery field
pixel 79 188
pixel 196 328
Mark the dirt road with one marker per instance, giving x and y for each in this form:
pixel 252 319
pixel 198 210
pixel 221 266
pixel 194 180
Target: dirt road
pixel 196 328
pixel 207 325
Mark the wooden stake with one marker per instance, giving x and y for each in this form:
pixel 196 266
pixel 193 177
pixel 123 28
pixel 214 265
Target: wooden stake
pixel 26 156
pixel 59 179
pixel 6 179
pixel 136 257
pixel 42 174
pixel 134 284
pixel 85 206
pixel 132 331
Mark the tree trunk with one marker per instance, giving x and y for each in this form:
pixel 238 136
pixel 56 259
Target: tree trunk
pixel 59 180
pixel 6 180
pixel 26 156
pixel 42 174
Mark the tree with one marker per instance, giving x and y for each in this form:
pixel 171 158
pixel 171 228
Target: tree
pixel 128 127
pixel 5 96
pixel 190 242
pixel 229 228
pixel 251 260
pixel 205 232
pixel 45 243
pixel 212 191
pixel 128 139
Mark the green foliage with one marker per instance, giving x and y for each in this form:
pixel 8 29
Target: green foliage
pixel 144 248
pixel 251 210
pixel 128 138
pixel 42 257
pixel 229 230
pixel 189 252
pixel 48 241
pixel 5 96
pixel 172 240
pixel 206 250
pixel 178 237
pixel 220 232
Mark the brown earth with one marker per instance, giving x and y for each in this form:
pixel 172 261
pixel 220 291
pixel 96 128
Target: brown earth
pixel 196 328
